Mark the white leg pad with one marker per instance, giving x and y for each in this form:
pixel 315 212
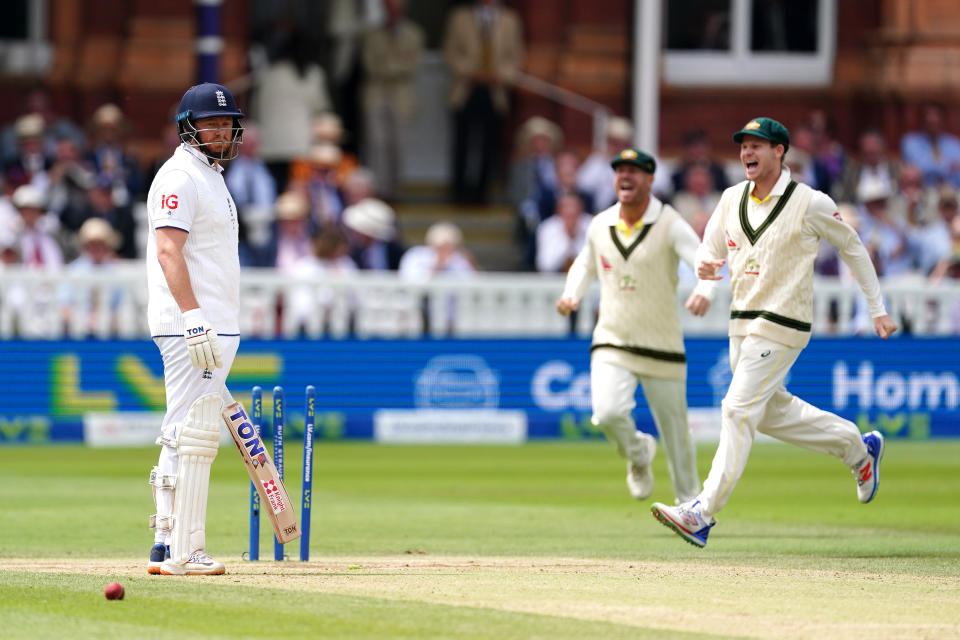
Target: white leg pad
pixel 162 484
pixel 196 448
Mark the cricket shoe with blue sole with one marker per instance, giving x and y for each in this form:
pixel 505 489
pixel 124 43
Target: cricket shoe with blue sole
pixel 868 473
pixel 158 554
pixel 686 520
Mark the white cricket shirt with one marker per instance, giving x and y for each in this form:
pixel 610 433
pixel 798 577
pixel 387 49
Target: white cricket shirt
pixel 189 193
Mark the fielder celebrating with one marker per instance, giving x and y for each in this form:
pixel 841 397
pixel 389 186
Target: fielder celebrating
pixel 634 247
pixel 193 271
pixel 769 227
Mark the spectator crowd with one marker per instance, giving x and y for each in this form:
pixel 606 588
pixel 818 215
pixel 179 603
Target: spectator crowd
pixel 316 198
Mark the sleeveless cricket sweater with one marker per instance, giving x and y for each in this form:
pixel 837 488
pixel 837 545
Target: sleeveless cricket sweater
pixel 638 328
pixel 771 266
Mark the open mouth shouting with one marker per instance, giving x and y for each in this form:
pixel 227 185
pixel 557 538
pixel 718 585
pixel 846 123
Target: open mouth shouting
pixel 626 189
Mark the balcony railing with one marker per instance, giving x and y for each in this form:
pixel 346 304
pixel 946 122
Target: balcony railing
pixel 113 304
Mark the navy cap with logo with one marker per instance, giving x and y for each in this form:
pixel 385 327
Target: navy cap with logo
pixel 766 128
pixel 636 158
pixel 207 100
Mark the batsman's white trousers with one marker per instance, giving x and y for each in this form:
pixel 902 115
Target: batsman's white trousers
pixel 758 401
pixel 184 384
pixel 613 391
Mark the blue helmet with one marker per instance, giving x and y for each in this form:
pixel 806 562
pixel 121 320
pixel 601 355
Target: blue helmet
pixel 209 100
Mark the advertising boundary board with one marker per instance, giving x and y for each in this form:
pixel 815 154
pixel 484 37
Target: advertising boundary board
pixel 56 391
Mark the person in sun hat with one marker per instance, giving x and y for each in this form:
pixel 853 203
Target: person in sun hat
pixel 634 248
pixel 372 230
pixel 769 228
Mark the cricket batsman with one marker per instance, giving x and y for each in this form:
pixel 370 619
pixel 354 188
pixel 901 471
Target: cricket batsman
pixel 193 272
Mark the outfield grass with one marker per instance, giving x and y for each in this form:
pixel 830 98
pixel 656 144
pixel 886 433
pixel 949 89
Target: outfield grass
pixel 540 540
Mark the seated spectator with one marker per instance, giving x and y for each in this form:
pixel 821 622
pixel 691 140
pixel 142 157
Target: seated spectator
pixel 533 171
pixel 80 305
pixel 442 254
pixel 698 197
pixel 567 163
pixel 254 191
pixel 595 176
pixel 31 161
pixel 70 180
pixel 372 230
pixel 39 248
pixel 949 267
pixel 934 151
pixel 293 231
pixel 55 126
pixel 323 189
pixel 874 164
pixel 880 232
pixel 102 204
pixel 110 158
pixel 561 236
pixel 911 199
pixel 826 150
pixel 802 161
pixel 326 132
pixel 928 235
pixel 311 305
pixel 697 152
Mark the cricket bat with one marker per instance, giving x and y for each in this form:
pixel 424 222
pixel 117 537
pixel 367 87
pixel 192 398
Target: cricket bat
pixel 263 473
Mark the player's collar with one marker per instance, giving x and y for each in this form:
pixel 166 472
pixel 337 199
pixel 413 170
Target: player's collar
pixel 778 188
pixel 199 155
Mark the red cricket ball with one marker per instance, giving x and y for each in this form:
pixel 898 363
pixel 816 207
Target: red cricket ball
pixel 114 591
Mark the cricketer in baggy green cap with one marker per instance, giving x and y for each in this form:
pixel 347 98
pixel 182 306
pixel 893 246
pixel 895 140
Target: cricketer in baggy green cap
pixel 635 157
pixel 766 128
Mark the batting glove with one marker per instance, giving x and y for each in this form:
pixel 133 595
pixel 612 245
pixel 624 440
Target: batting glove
pixel 202 343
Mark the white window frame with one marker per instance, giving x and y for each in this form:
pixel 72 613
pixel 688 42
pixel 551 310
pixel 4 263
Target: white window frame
pixel 742 67
pixel 33 56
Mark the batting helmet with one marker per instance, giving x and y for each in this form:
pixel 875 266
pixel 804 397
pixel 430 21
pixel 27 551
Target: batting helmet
pixel 209 100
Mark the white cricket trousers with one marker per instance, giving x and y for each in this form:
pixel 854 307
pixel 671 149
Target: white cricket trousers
pixel 613 391
pixel 184 383
pixel 758 401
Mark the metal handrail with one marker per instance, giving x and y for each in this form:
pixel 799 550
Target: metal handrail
pixel 600 113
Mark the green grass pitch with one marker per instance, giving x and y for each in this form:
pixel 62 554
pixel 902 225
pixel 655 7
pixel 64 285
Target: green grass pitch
pixel 534 541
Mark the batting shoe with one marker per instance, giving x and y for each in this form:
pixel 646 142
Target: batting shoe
pixel 686 520
pixel 868 473
pixel 198 564
pixel 640 476
pixel 158 554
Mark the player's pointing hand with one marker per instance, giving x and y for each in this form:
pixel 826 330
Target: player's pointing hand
pixel 707 269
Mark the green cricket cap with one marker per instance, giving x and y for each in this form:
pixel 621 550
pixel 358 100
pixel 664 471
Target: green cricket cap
pixel 766 128
pixel 635 157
